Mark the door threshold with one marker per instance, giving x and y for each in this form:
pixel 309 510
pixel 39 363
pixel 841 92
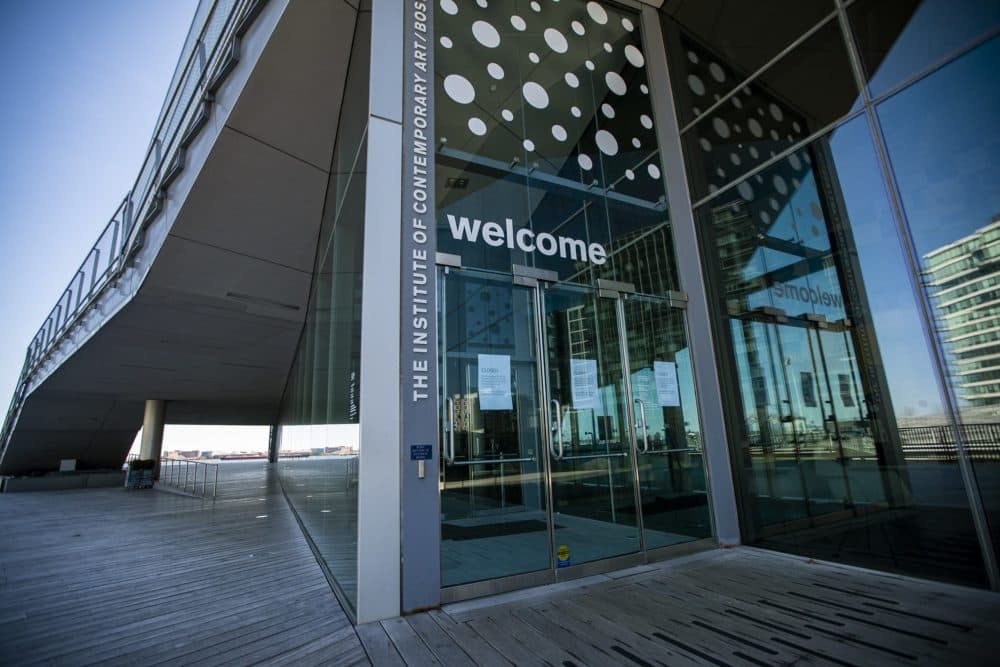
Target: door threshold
pixel 464 609
pixel 490 592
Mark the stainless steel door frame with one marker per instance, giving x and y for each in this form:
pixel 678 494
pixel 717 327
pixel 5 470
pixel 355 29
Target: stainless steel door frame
pixel 630 411
pixel 540 285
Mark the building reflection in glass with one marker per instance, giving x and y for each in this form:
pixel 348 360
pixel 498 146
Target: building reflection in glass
pixel 844 442
pixel 963 278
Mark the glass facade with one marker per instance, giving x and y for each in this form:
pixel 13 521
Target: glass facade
pixel 840 163
pixel 319 432
pixel 845 216
pixel 570 433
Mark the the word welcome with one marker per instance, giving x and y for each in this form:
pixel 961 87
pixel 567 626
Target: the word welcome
pixel 497 235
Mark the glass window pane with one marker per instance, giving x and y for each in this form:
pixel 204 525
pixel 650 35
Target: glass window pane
pixel 898 38
pixel 837 392
pixel 320 442
pixel 739 39
pixel 546 139
pixel 943 145
pixel 319 438
pixel 493 502
pixel 805 91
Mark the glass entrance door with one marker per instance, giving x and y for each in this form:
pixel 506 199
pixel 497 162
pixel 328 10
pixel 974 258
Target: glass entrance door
pixel 804 403
pixel 569 432
pixel 593 477
pixel 494 516
pixel 669 453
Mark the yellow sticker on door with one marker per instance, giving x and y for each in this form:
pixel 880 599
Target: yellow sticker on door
pixel 562 556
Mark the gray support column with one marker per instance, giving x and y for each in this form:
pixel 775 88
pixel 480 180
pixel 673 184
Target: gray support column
pixel 420 510
pixel 379 467
pixel 722 493
pixel 151 445
pixel 273 443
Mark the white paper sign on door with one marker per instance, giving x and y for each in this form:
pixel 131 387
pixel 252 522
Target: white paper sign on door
pixel 667 391
pixel 583 383
pixel 494 382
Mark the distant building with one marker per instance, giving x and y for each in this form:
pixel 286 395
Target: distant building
pixel 963 279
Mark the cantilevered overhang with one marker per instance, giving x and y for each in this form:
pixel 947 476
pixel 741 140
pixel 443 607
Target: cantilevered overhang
pixel 211 320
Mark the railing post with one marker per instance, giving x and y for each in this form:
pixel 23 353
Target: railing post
pixel 79 290
pixel 126 216
pixel 93 269
pixel 116 252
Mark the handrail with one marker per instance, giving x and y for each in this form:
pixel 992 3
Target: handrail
pixel 207 61
pixel 476 462
pixel 591 457
pixel 182 473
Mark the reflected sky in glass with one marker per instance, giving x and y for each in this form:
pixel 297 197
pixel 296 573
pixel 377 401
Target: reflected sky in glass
pixel 935 29
pixel 887 285
pixel 943 144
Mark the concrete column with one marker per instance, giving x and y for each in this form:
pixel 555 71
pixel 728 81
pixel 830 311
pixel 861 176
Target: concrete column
pixel 379 465
pixel 273 443
pixel 722 490
pixel 151 445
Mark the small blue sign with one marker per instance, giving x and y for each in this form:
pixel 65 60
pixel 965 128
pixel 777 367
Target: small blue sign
pixel 421 452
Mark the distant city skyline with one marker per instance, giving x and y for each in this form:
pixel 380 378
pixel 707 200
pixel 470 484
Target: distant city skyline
pixel 218 439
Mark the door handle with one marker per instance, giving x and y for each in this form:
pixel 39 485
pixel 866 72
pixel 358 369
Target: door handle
pixel 556 426
pixel 450 450
pixel 645 427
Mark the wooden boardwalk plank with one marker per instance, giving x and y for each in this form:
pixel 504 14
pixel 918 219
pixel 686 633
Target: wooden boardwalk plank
pixel 505 643
pixel 583 649
pixel 821 620
pixel 408 643
pixel 482 652
pixel 777 628
pixel 446 649
pixel 620 637
pixel 109 577
pixel 378 645
pixel 106 576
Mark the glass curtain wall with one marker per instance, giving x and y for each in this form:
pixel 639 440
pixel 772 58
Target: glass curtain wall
pixel 319 444
pixel 843 164
pixel 568 423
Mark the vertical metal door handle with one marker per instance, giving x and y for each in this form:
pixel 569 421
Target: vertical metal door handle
pixel 645 427
pixel 450 452
pixel 557 427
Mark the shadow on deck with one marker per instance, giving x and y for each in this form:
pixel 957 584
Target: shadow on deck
pixel 123 577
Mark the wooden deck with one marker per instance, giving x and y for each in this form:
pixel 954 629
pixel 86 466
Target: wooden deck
pixel 109 576
pixel 116 577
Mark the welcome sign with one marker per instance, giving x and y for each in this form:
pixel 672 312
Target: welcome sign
pixel 496 235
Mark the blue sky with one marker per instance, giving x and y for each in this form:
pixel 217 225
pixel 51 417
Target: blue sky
pixel 83 84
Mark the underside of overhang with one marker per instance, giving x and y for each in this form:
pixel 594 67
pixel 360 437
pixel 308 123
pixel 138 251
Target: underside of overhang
pixel 214 326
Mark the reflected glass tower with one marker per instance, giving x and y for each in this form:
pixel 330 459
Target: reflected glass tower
pixel 963 278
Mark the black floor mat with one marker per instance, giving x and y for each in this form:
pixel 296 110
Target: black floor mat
pixel 450 531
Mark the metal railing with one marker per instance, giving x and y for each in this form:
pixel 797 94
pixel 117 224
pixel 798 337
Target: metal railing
pixel 184 474
pixel 923 443
pixel 938 443
pixel 211 51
